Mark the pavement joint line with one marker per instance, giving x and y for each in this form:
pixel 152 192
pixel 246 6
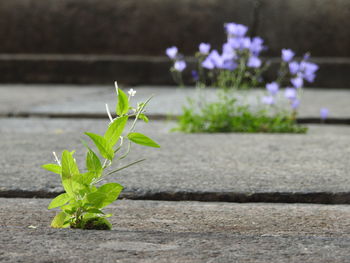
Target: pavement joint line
pixel 330 198
pixel 301 120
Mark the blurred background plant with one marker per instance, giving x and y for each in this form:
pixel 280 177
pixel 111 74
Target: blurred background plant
pixel 239 66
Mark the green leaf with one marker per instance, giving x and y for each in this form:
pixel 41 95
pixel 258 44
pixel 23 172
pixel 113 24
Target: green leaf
pixel 69 166
pixel 60 200
pixel 105 149
pixel 94 211
pixel 115 129
pixel 52 167
pixel 59 219
pixel 123 103
pixel 139 138
pixel 86 179
pixel 143 117
pixel 93 163
pixel 105 195
pixel 70 173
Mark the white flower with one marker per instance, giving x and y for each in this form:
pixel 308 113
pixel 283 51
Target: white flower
pixel 132 92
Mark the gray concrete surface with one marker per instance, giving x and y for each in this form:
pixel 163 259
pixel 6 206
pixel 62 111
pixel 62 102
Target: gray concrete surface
pixel 68 100
pixel 149 231
pixel 230 167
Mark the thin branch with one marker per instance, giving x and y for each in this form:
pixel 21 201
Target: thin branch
pixel 126 166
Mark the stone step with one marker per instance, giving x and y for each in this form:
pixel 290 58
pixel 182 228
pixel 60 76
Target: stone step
pixel 59 53
pixel 148 27
pixel 152 231
pixel 310 168
pixel 75 101
pixel 135 70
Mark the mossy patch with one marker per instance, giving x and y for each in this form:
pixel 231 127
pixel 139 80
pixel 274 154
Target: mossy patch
pixel 96 223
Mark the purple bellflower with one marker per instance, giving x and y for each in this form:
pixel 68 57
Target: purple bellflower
pixel 287 55
pixel 228 53
pixel 290 93
pixel 269 100
pixel 208 63
pixel 295 104
pixel 256 46
pixel 204 48
pixel 213 60
pixel 308 70
pixel 297 82
pixel 195 75
pixel 324 113
pixel 245 43
pixel 237 30
pixel 171 52
pixel 293 67
pixel 272 88
pixel 180 65
pixel 235 42
pixel 306 56
pixel 230 65
pixel 254 62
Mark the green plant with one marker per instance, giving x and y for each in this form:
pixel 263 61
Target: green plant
pixel 239 66
pixel 226 115
pixel 84 197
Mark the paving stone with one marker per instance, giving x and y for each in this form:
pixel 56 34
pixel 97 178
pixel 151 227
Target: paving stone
pixel 67 100
pixel 116 27
pixel 112 27
pixel 315 26
pixel 135 70
pixel 229 167
pixel 150 231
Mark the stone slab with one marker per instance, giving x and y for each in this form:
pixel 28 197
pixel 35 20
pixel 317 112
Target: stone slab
pixel 149 231
pixel 313 25
pixel 135 70
pixel 118 27
pixel 133 27
pixel 228 167
pixel 75 101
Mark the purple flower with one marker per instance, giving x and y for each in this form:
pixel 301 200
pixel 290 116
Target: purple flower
pixel 272 88
pixel 229 64
pixel 324 113
pixel 287 55
pixel 295 104
pixel 297 82
pixel 308 70
pixel 254 62
pixel 208 63
pixel 294 67
pixel 228 52
pixel 236 29
pixel 195 75
pixel 204 48
pixel 171 52
pixel 310 77
pixel 245 43
pixel 213 60
pixel 269 100
pixel 256 45
pixel 306 56
pixel 235 42
pixel 290 93
pixel 180 65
